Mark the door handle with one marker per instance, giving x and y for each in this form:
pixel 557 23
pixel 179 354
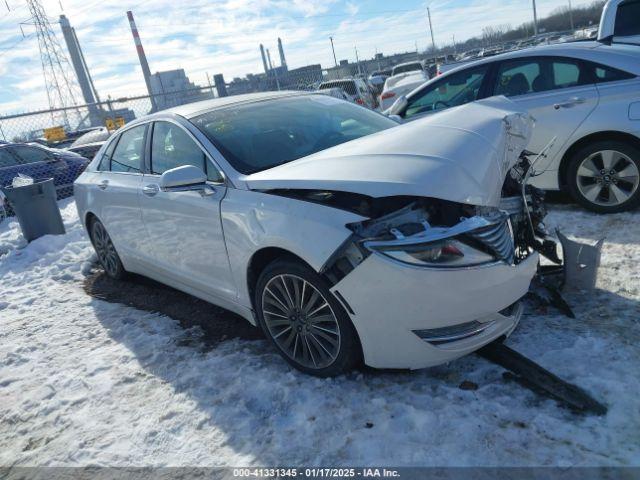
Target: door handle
pixel 569 103
pixel 150 190
pixel 103 184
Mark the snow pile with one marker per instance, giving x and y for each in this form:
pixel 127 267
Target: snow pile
pixel 83 381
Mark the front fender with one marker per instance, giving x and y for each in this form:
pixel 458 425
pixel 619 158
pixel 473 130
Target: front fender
pixel 254 220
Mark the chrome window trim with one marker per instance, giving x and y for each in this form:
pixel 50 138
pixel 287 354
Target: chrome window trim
pixel 225 179
pixel 116 138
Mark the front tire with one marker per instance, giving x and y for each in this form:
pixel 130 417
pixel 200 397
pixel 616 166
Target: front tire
pixel 604 177
pixel 107 254
pixel 304 321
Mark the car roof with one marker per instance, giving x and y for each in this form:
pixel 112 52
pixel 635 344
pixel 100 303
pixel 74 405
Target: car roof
pixel 408 63
pixel 624 57
pixel 191 110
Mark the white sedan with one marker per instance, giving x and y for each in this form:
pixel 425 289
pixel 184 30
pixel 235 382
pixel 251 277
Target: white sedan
pixel 344 236
pixel 404 78
pixel 585 94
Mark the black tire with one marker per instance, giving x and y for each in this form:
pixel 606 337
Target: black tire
pixel 607 201
pixel 332 345
pixel 107 254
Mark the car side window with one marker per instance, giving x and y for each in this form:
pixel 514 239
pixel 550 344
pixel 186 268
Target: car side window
pixel 603 74
pixel 627 19
pixel 28 155
pixel 105 161
pixel 456 89
pixel 566 74
pixel 7 159
pixel 519 77
pixel 127 156
pixel 172 147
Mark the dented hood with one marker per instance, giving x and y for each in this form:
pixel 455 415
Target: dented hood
pixel 462 155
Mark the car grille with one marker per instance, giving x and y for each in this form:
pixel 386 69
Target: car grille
pixel 498 238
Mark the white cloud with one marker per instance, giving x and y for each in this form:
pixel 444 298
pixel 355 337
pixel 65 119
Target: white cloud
pixel 223 36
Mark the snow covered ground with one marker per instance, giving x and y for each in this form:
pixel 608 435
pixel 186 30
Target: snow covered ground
pixel 83 381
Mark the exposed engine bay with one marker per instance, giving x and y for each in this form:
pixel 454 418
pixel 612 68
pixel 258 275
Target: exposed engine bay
pixel 439 233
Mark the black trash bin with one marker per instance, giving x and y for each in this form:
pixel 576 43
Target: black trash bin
pixel 36 207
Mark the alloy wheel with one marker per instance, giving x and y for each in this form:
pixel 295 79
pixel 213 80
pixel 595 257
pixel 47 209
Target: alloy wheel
pixel 301 321
pixel 607 177
pixel 104 248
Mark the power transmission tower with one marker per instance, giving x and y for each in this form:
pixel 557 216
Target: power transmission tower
pixel 62 91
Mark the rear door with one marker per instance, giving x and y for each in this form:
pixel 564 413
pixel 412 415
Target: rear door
pixel 184 229
pixel 116 191
pixel 560 94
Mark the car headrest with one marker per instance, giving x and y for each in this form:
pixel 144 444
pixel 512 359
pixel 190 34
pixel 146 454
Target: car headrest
pixel 518 85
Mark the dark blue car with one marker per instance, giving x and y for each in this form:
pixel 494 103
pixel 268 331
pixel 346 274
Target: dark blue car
pixel 40 163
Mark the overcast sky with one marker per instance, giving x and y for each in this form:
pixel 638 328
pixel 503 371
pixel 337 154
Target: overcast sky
pixel 222 36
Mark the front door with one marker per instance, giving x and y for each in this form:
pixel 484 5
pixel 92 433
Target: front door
pixel 184 229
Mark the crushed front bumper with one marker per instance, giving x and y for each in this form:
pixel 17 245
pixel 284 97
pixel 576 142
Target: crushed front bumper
pixel 393 305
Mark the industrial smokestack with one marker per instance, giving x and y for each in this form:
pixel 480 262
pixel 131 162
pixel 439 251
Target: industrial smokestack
pixel 269 60
pixel 82 72
pixel 143 58
pixel 264 59
pixel 283 62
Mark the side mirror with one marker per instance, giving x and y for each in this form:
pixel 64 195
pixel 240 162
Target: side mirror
pixel 182 176
pixel 184 179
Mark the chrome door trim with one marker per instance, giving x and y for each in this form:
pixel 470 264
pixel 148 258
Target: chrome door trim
pixel 197 141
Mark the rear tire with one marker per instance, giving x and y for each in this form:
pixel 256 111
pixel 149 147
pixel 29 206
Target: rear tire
pixel 107 254
pixel 304 321
pixel 604 177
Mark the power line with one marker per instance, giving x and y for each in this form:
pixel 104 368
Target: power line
pixel 22 39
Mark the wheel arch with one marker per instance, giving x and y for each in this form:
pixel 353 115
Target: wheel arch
pixel 261 259
pixel 609 135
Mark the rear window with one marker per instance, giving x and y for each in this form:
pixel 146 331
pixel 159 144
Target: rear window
pixel 348 86
pixel 627 19
pixel 257 136
pixel 604 73
pixel 411 67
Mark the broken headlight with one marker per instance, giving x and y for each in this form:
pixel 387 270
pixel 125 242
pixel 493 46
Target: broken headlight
pixel 449 253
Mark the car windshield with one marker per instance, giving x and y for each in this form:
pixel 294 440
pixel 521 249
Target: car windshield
pixel 348 86
pixel 257 136
pixel 407 68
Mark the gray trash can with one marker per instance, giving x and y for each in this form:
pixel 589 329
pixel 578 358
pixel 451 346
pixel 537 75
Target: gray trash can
pixel 36 207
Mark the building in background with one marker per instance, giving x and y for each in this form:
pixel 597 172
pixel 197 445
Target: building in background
pixel 172 88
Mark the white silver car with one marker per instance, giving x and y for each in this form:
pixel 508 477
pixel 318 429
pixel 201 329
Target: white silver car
pixel 343 235
pixel 585 94
pixel 404 78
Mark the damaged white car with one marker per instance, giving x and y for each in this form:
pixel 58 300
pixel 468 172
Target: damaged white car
pixel 345 236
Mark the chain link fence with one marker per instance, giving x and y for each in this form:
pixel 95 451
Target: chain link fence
pixel 75 120
pixel 82 128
